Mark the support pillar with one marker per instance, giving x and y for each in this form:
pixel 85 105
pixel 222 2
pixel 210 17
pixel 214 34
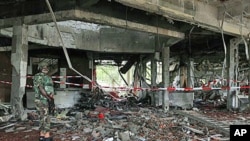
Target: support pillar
pixel 190 73
pixel 19 58
pixel 63 72
pixel 232 70
pixel 183 76
pixel 153 79
pixel 165 77
pixel 248 80
pixel 144 69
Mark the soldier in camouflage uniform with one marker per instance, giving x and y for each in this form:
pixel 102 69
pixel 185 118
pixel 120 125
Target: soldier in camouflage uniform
pixel 44 91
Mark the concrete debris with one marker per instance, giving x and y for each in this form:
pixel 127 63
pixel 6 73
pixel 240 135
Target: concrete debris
pixel 98 98
pixel 5 108
pixel 32 116
pixel 6 118
pixel 242 118
pixel 194 130
pixel 219 137
pixel 100 118
pixel 20 128
pixel 63 114
pixel 146 124
pixel 87 130
pixel 75 138
pixel 5 112
pixel 10 130
pixel 108 139
pixel 213 99
pixel 7 126
pixel 124 136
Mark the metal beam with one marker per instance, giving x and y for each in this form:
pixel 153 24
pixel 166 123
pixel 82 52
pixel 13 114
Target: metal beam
pixel 165 77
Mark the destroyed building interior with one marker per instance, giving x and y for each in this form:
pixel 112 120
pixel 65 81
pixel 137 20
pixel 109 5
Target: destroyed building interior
pixel 156 70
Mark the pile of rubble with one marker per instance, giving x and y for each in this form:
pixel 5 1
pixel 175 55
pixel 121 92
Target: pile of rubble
pixel 111 100
pixel 106 117
pixel 213 99
pixel 5 112
pixel 104 124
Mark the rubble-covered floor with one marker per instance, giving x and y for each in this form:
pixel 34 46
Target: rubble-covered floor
pixel 128 120
pixel 147 124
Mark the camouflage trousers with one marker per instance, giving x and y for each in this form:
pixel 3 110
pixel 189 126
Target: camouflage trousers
pixel 44 118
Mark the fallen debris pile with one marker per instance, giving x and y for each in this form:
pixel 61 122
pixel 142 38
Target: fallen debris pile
pixel 213 99
pixel 148 124
pixel 100 116
pixel 5 112
pixel 90 100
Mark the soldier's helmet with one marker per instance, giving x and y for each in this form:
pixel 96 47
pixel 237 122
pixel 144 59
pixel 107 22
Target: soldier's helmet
pixel 42 64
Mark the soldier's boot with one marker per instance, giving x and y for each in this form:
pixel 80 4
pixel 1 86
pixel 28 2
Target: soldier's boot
pixel 48 139
pixel 41 138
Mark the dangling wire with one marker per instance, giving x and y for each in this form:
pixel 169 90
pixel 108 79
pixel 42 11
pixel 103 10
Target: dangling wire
pixel 63 46
pixel 241 26
pixel 224 45
pixel 222 34
pixel 119 71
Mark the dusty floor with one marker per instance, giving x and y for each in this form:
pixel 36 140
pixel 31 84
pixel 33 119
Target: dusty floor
pixel 167 129
pixel 32 135
pixel 19 136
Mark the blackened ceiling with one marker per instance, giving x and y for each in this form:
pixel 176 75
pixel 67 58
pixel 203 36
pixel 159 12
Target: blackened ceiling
pixel 197 41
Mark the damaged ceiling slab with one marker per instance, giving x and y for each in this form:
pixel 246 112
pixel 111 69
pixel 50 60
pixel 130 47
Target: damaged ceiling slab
pixel 127 69
pixel 89 37
pixel 209 14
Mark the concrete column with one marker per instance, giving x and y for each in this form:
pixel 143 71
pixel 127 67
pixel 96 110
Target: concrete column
pixel 232 59
pixel 153 79
pixel 144 69
pixel 129 77
pixel 19 58
pixel 63 72
pixel 165 77
pixel 190 73
pixel 183 76
pixel 249 75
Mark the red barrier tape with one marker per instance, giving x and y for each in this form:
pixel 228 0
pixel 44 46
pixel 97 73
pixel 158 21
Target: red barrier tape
pixel 225 88
pixel 204 88
pixel 188 89
pixel 170 89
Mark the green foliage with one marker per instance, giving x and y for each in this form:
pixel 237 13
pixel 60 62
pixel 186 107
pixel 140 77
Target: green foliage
pixel 109 75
